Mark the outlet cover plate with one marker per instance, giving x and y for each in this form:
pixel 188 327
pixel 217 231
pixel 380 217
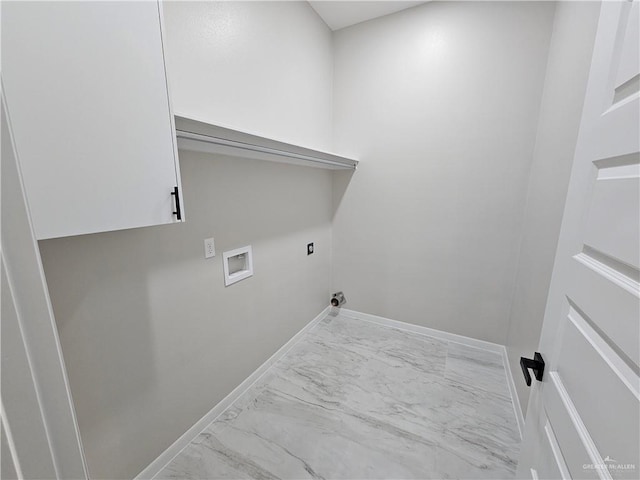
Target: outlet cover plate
pixel 209 248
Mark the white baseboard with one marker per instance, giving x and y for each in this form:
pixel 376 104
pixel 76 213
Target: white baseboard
pixel 170 453
pixel 451 337
pixel 430 332
pixel 514 393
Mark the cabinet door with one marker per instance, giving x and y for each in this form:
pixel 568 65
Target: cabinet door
pixel 86 88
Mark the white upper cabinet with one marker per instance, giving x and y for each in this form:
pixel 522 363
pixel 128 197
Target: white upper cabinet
pixel 86 88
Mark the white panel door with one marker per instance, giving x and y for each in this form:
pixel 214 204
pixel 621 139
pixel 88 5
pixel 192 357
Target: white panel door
pixel 39 429
pixel 584 417
pixel 87 92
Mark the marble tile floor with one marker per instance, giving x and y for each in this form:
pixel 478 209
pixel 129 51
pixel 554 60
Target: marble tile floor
pixel 357 400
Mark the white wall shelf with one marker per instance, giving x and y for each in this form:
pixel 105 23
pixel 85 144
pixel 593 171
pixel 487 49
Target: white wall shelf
pixel 199 136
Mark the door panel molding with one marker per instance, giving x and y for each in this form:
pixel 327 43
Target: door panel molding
pixel 36 396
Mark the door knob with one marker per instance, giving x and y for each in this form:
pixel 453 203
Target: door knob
pixel 537 365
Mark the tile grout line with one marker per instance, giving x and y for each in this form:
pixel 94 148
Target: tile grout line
pixel 425 331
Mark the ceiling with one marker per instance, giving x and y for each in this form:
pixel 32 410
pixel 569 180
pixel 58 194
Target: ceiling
pixel 340 14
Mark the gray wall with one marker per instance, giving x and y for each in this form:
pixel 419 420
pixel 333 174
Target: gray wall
pixel 441 103
pixel 565 84
pixel 151 337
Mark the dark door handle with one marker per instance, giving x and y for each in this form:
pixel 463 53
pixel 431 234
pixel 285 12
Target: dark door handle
pixel 177 213
pixel 537 365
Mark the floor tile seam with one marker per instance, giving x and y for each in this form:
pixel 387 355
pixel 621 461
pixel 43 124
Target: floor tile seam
pixel 483 389
pixel 407 332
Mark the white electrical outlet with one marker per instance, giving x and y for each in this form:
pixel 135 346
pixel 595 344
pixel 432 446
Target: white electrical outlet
pixel 209 248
